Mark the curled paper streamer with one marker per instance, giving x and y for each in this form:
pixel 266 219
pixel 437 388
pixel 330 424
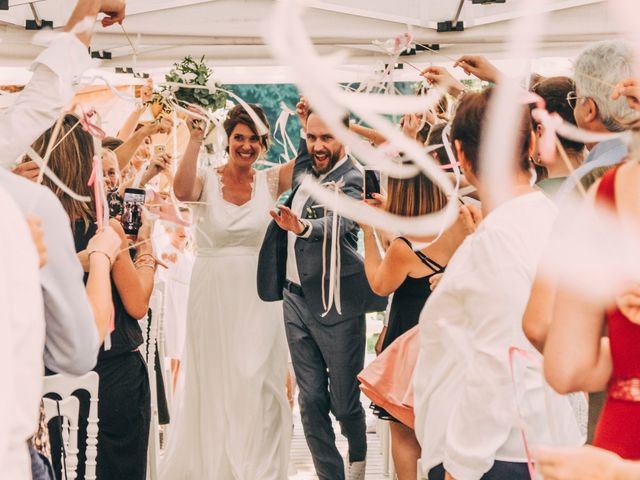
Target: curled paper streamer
pixel 291 45
pixel 281 129
pixel 335 265
pixel 47 36
pixel 497 150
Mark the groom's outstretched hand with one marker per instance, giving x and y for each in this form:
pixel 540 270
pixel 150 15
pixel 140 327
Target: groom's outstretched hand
pixel 287 220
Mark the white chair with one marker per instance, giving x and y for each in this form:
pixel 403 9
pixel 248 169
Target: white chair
pixel 64 386
pixel 153 449
pixel 68 410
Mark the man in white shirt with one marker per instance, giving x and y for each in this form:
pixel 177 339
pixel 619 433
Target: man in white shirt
pixel 467 419
pixel 37 108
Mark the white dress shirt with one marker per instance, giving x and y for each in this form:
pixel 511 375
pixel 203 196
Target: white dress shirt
pixel 56 73
pixel 299 201
pixel 464 403
pixel 21 340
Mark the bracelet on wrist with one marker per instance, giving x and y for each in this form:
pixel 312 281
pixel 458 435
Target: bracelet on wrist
pixel 102 253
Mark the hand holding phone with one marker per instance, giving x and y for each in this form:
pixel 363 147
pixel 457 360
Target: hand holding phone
pixel 371 183
pixel 132 210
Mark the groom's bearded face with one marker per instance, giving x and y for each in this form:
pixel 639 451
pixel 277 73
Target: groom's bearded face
pixel 323 147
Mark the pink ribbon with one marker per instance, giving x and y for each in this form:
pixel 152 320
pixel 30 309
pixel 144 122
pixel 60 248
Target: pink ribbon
pixel 536 361
pixel 89 127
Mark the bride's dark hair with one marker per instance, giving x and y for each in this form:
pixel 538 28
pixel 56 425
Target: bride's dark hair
pixel 239 115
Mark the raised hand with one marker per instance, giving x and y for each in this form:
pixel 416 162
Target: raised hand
pixel 441 77
pixel 411 124
pixel 302 109
pixel 287 220
pixel 478 66
pixel 160 125
pixel 146 92
pixel 196 126
pixel 114 11
pixel 629 88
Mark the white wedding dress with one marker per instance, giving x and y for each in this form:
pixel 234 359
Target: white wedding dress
pixel 231 419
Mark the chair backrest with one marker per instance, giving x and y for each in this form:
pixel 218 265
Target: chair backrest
pixel 68 410
pixel 64 386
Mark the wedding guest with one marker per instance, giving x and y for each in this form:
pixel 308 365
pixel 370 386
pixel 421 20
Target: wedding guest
pixel 176 279
pixel 22 339
pixel 124 407
pixel 597 69
pixel 406 271
pixel 599 363
pixel 555 91
pixel 466 415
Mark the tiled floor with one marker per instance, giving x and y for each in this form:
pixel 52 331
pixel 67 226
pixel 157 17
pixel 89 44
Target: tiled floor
pixel 301 458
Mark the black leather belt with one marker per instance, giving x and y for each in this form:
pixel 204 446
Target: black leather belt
pixel 294 288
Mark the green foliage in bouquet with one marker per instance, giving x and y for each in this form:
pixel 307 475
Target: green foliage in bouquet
pixel 193 72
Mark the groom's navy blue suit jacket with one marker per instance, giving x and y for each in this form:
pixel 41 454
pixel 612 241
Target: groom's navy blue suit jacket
pixel 356 296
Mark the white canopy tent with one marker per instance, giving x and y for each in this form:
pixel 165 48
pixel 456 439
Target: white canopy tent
pixel 229 34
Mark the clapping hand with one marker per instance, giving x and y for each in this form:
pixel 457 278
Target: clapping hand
pixel 287 220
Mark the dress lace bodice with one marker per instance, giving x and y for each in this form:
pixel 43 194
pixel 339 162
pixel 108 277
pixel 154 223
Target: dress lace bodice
pixel 223 225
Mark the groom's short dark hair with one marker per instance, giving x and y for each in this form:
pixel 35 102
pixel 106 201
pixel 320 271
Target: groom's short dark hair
pixel 346 121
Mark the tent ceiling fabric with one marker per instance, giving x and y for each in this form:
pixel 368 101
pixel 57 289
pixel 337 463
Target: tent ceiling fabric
pixel 229 32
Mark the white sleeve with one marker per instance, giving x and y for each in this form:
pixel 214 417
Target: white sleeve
pixel 55 74
pixel 495 296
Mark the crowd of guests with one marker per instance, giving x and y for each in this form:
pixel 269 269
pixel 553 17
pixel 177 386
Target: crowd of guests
pixel 75 289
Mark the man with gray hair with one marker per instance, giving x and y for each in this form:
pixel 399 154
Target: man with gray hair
pixel 597 70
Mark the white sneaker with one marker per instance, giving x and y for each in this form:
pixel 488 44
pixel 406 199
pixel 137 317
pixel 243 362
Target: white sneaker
pixel 355 470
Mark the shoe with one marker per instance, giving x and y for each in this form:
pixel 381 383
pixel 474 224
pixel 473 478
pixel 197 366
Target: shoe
pixel 355 470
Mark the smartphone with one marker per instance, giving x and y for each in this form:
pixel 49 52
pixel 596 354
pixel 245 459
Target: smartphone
pixel 159 149
pixel 371 183
pixel 132 204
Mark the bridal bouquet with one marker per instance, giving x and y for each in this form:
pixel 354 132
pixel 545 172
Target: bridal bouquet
pixel 194 73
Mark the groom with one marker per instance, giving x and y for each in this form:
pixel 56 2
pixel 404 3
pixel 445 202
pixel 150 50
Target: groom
pixel 327 351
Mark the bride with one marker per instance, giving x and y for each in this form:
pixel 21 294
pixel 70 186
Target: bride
pixel 231 417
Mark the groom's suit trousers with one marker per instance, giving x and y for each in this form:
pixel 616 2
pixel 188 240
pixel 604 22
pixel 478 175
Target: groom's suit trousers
pixel 326 360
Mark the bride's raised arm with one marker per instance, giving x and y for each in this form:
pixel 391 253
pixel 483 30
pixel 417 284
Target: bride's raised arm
pixel 186 184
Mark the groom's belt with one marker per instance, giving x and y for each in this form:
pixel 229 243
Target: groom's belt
pixel 294 288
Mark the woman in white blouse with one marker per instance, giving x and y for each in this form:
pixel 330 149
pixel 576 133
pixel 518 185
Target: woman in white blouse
pixel 466 416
